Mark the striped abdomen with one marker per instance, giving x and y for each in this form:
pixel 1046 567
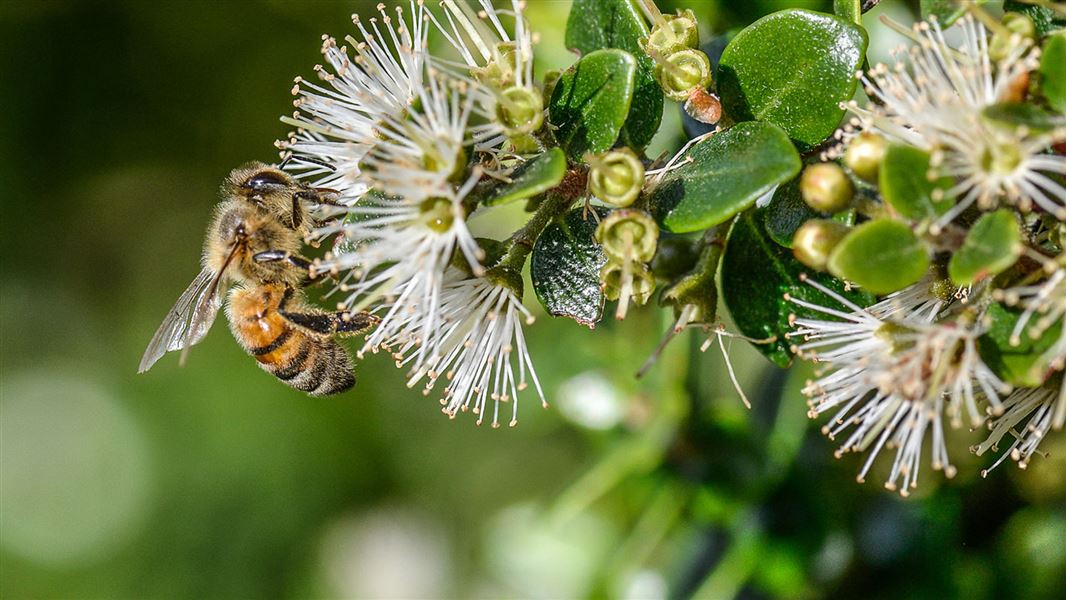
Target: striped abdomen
pixel 309 362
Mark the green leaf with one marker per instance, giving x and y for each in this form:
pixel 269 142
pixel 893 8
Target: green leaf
pixel 1025 363
pixel 849 9
pixel 946 11
pixel 565 267
pixel 1017 114
pixel 591 101
pixel 1045 19
pixel 993 244
pixel 727 173
pixel 793 68
pixel 906 187
pixel 598 24
pixel 531 178
pixel 786 212
pixel 757 273
pixel 881 255
pixel 1053 72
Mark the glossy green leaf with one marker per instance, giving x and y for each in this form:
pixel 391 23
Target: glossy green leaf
pixel 1022 363
pixel 591 101
pixel 727 173
pixel 565 268
pixel 1017 114
pixel 1046 20
pixel 531 178
pixel 993 244
pixel 849 9
pixel 793 68
pixel 1053 72
pixel 906 187
pixel 598 24
pixel 756 274
pixel 882 256
pixel 786 212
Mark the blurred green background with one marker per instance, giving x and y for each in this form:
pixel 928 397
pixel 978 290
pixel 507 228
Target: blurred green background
pixel 121 117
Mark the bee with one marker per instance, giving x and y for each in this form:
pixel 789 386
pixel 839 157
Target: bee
pixel 255 245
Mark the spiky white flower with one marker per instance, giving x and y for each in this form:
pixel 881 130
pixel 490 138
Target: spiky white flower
pixel 893 380
pixel 1029 414
pixel 501 66
pixel 934 98
pixel 337 119
pixel 483 354
pixel 395 246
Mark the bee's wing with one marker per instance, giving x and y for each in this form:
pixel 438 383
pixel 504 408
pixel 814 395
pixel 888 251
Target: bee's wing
pixel 188 322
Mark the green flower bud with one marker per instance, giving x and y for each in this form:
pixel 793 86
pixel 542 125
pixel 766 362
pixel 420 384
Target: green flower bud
pixel 616 177
pixel 864 155
pixel 1019 28
pixel 674 32
pixel 628 235
pixel 520 110
pixel 815 240
pixel 682 72
pixel 826 187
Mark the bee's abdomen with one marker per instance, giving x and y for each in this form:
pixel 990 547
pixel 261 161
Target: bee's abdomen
pixel 319 367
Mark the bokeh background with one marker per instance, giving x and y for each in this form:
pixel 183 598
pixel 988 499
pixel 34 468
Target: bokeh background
pixel 119 120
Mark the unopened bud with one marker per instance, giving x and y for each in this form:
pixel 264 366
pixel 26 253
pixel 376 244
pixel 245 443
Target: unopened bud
pixel 703 106
pixel 826 187
pixel 628 235
pixel 1020 29
pixel 864 155
pixel 616 177
pixel 681 72
pixel 674 32
pixel 815 240
pixel 520 110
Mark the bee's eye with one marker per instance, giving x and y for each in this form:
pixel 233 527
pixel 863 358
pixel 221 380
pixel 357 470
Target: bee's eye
pixel 265 179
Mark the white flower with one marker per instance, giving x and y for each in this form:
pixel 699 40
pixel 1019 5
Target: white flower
pixel 1030 413
pixel 893 380
pixel 337 120
pixel 500 67
pixel 483 351
pixel 933 100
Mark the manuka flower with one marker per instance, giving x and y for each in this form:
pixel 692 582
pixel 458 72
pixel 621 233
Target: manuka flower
pixel 338 119
pixel 934 98
pixel 482 350
pixel 893 380
pixel 1029 414
pixel 499 65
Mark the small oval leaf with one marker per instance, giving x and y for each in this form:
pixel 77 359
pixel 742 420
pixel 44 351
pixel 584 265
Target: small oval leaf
pixel 793 68
pixel 597 24
pixel 565 267
pixel 1053 72
pixel 882 256
pixel 906 187
pixel 993 244
pixel 591 101
pixel 727 172
pixel 531 178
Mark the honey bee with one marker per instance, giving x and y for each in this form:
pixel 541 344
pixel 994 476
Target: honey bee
pixel 255 245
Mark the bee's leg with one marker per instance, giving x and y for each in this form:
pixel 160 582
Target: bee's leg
pixel 280 255
pixel 329 323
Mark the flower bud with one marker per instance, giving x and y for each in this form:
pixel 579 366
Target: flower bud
pixel 681 72
pixel 703 106
pixel 1019 28
pixel 628 235
pixel 815 240
pixel 520 110
pixel 616 177
pixel 674 32
pixel 826 187
pixel 864 155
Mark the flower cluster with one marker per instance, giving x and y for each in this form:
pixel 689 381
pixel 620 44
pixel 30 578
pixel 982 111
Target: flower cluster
pixel 389 128
pixel 979 341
